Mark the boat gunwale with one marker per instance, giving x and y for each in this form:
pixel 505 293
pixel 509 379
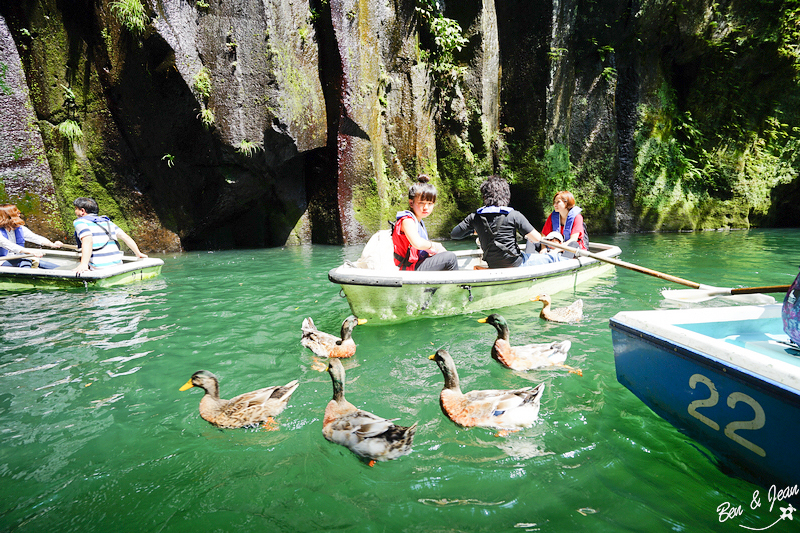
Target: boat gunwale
pixel 91 276
pixel 349 275
pixel 764 384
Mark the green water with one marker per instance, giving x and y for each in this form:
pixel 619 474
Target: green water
pixel 96 437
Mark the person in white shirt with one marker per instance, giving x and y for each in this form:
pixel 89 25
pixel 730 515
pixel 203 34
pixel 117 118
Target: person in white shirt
pixel 13 236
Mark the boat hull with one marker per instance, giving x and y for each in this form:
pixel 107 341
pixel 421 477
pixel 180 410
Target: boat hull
pixel 721 378
pixel 394 296
pixel 14 279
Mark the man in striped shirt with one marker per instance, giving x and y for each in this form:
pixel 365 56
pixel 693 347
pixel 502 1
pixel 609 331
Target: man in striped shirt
pixel 98 237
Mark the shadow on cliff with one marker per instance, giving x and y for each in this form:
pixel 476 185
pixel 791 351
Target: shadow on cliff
pixel 213 195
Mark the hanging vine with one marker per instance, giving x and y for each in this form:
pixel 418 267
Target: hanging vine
pixel 441 38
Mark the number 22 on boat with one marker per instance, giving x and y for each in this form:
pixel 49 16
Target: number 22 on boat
pixel 735 397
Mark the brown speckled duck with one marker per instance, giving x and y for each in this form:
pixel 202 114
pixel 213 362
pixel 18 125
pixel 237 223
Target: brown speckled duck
pixel 573 313
pixel 327 345
pixel 499 409
pixel 364 433
pixel 550 355
pixel 246 410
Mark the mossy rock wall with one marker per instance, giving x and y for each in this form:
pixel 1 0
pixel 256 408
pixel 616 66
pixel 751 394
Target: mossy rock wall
pixel 241 124
pixel 25 178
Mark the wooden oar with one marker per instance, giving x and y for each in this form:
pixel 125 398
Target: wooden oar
pixel 630 266
pixel 78 255
pixel 701 295
pixel 13 257
pixel 756 296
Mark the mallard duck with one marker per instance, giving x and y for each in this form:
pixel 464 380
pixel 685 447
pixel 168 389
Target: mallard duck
pixel 529 356
pixel 498 409
pixel 246 410
pixel 573 313
pixel 327 345
pixel 366 434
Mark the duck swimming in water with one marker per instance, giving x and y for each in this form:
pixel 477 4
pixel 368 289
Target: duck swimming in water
pixel 499 409
pixel 246 410
pixel 549 355
pixel 365 434
pixel 328 345
pixel 573 313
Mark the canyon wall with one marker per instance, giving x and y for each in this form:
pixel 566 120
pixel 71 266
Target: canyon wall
pixel 203 125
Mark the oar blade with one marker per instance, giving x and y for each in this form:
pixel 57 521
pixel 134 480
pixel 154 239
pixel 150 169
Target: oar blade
pixel 702 295
pixel 690 295
pixel 750 299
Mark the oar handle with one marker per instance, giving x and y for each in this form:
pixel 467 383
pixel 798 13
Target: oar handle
pixel 77 255
pixel 623 264
pixel 759 290
pixel 14 257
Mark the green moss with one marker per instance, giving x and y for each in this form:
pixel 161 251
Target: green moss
pixel 368 206
pixel 29 204
pixel 202 83
pixel 70 130
pixel 247 148
pixel 4 87
pixel 131 15
pixel 461 173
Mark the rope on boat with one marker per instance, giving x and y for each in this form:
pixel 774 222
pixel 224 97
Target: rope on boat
pixel 469 288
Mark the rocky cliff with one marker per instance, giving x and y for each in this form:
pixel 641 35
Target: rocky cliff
pixel 243 124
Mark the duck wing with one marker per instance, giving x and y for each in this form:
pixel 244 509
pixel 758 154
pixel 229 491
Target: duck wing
pixel 504 409
pixel 369 435
pixel 317 341
pixel 573 313
pixel 532 356
pixel 519 412
pixel 254 407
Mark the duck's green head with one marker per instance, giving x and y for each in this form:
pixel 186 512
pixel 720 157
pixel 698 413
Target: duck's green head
pixel 497 321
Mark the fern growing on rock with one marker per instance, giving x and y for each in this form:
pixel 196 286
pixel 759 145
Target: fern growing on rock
pixel 131 15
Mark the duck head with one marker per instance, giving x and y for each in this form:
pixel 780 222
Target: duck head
pixel 447 366
pixel 499 324
pixel 543 298
pixel 349 324
pixel 204 380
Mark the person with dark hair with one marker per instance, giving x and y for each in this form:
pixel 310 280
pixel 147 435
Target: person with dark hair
pixel 497 226
pixel 13 235
pixel 566 219
pixel 98 238
pixel 413 250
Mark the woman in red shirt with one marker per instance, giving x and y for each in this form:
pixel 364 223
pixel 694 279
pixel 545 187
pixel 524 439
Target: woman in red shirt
pixel 566 219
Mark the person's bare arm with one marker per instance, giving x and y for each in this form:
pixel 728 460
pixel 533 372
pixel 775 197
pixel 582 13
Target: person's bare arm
pixel 87 243
pixel 410 229
pixel 124 237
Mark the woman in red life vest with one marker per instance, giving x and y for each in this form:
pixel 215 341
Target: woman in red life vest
pixel 566 219
pixel 413 250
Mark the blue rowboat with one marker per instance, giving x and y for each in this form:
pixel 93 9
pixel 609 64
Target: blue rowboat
pixel 727 377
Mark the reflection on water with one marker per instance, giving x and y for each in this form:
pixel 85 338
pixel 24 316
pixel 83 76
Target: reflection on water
pixel 95 436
